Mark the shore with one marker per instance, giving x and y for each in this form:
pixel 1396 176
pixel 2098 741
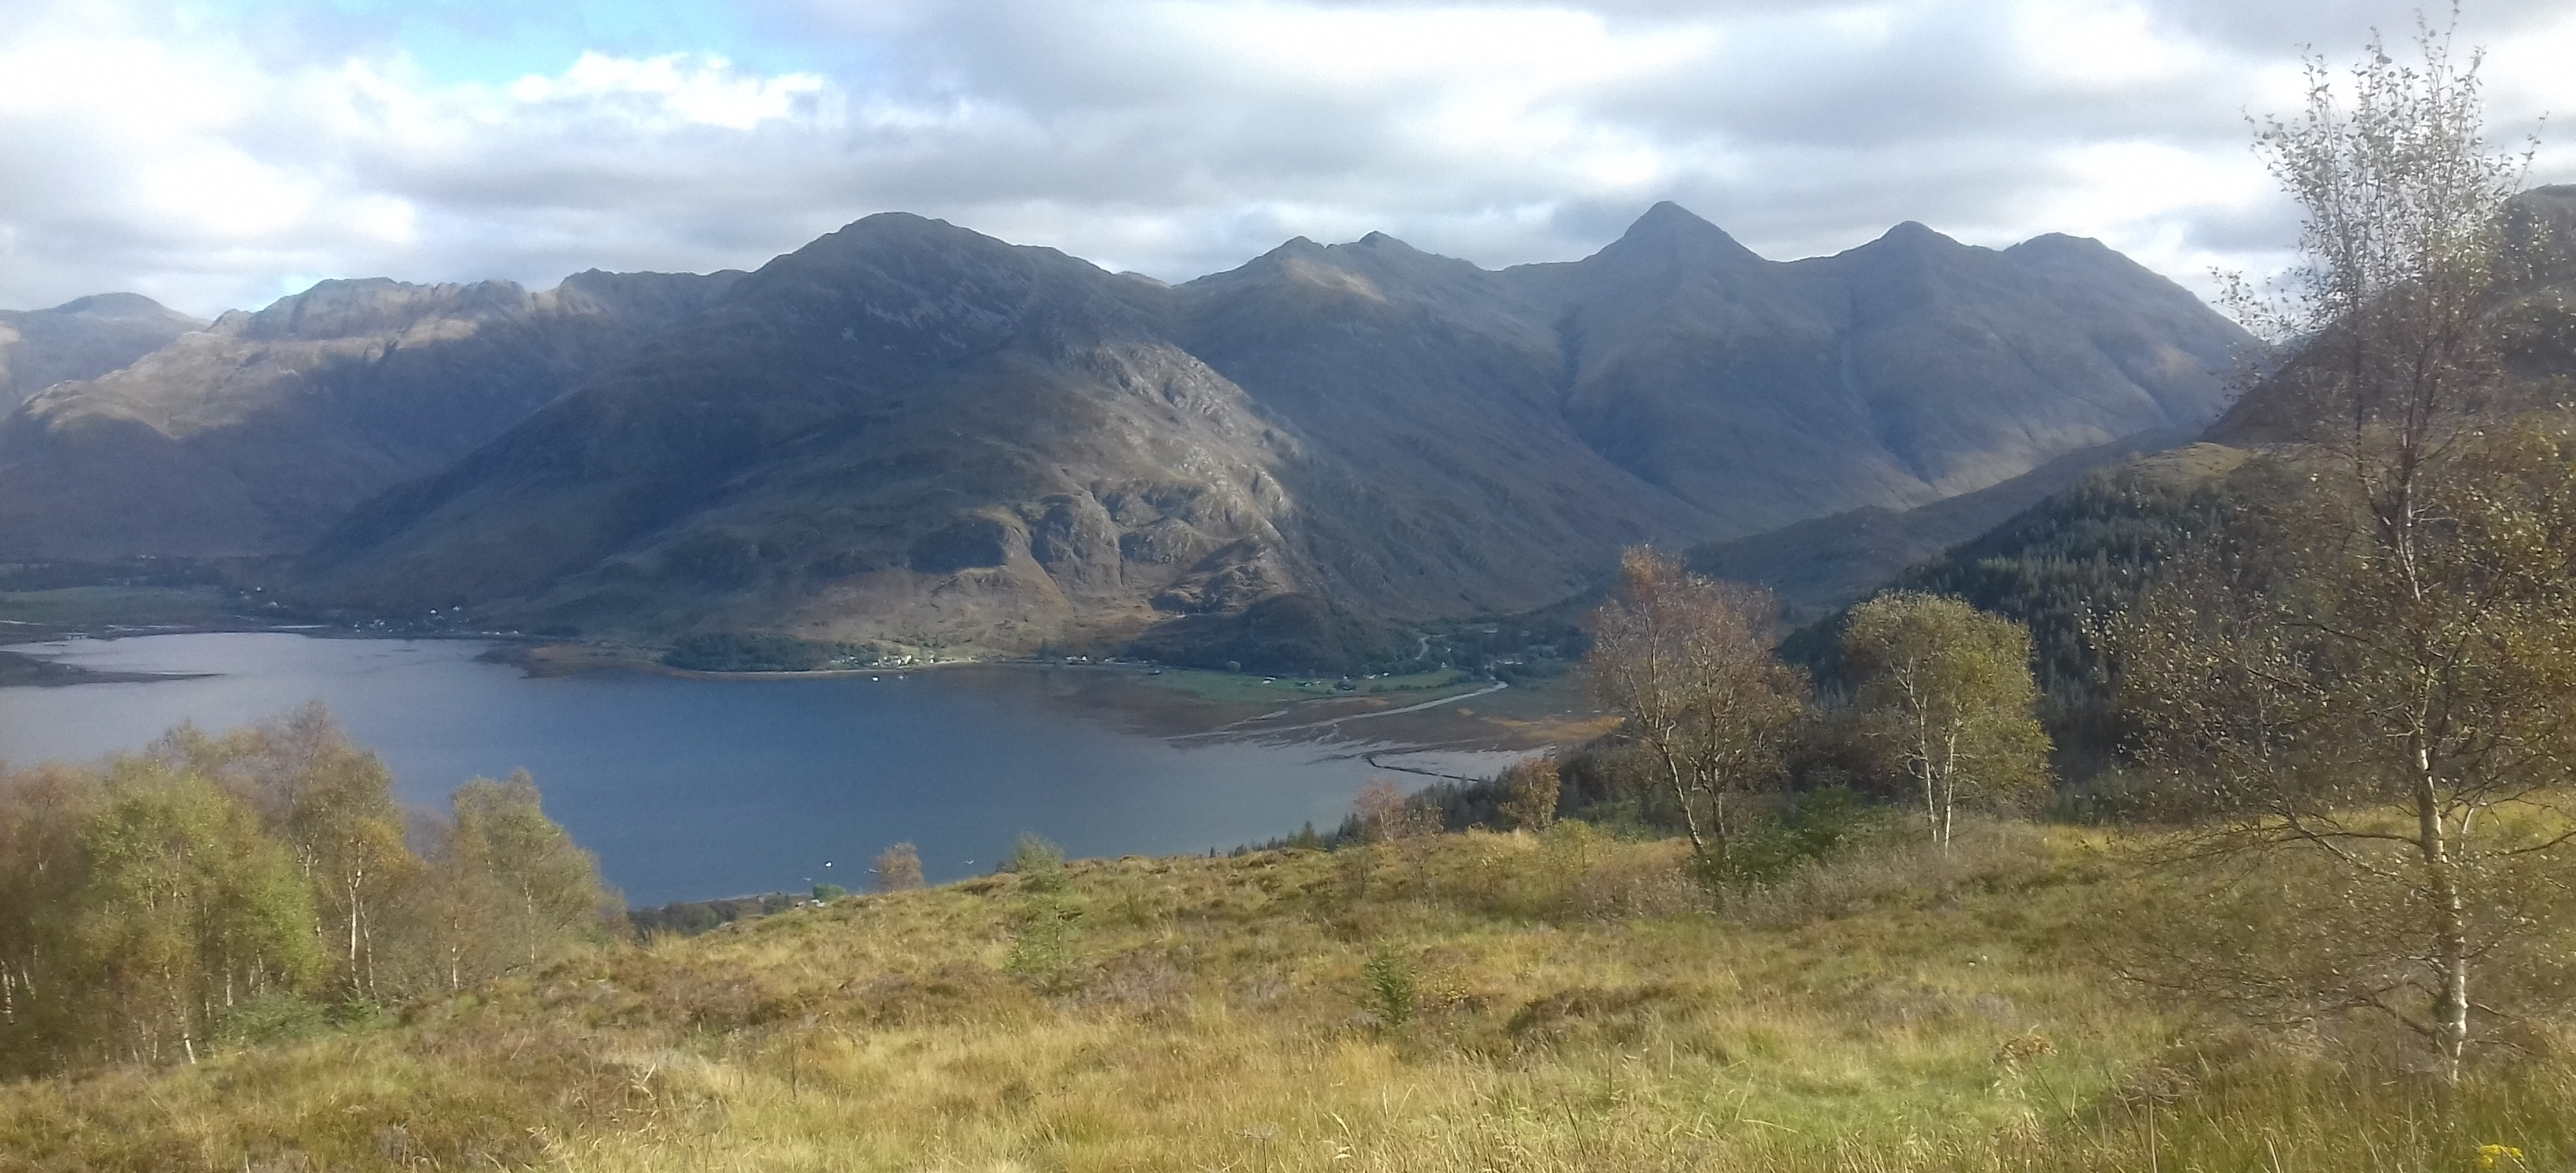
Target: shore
pixel 18 669
pixel 1432 710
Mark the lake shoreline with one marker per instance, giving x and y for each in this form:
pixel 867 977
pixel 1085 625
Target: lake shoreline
pixel 686 787
pixel 1161 700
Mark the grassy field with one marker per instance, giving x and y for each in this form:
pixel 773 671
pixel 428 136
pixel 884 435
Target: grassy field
pixel 84 607
pixel 1474 1002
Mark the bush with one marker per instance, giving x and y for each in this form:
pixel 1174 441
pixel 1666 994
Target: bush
pixel 1530 791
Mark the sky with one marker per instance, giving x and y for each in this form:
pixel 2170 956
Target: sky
pixel 219 154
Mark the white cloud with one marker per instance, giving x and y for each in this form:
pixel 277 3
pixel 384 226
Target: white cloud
pixel 207 166
pixel 674 89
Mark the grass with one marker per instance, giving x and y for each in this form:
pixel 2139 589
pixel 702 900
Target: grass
pixel 1473 1002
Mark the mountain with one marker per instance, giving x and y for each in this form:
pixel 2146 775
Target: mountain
pixel 255 434
pixel 1436 472
pixel 911 433
pixel 1901 372
pixel 902 423
pixel 81 340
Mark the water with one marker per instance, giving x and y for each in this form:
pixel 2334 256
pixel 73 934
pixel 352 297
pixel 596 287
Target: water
pixel 693 788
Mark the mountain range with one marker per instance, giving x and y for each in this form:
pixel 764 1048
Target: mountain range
pixel 254 434
pixel 910 433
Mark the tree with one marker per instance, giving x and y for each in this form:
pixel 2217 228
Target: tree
pixel 1687 664
pixel 511 886
pixel 898 868
pixel 1945 692
pixel 185 910
pixel 332 802
pixel 2397 717
pixel 2383 328
pixel 2365 679
pixel 1383 813
pixel 1531 790
pixel 41 814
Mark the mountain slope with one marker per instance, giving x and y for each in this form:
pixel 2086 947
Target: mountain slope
pixel 1823 564
pixel 2088 550
pixel 81 339
pixel 2535 323
pixel 257 433
pixel 1438 473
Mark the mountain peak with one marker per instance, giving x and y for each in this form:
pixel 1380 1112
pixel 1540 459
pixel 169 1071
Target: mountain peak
pixel 116 305
pixel 347 307
pixel 2061 242
pixel 1914 234
pixel 1669 229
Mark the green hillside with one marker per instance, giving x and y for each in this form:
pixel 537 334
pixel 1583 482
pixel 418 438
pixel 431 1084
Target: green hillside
pixel 2055 566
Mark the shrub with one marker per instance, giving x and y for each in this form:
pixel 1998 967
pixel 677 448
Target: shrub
pixel 1034 857
pixel 1046 934
pixel 1392 986
pixel 1811 827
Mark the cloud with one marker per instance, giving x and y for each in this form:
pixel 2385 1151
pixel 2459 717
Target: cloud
pixel 262 145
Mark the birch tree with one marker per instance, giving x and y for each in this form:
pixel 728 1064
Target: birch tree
pixel 1944 692
pixel 2367 680
pixel 1687 664
pixel 185 910
pixel 41 867
pixel 513 888
pixel 331 801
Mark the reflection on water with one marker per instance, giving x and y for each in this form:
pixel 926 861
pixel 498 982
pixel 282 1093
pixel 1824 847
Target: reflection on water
pixel 691 788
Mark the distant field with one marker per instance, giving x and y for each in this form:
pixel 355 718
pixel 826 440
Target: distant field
pixel 96 606
pixel 1253 688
